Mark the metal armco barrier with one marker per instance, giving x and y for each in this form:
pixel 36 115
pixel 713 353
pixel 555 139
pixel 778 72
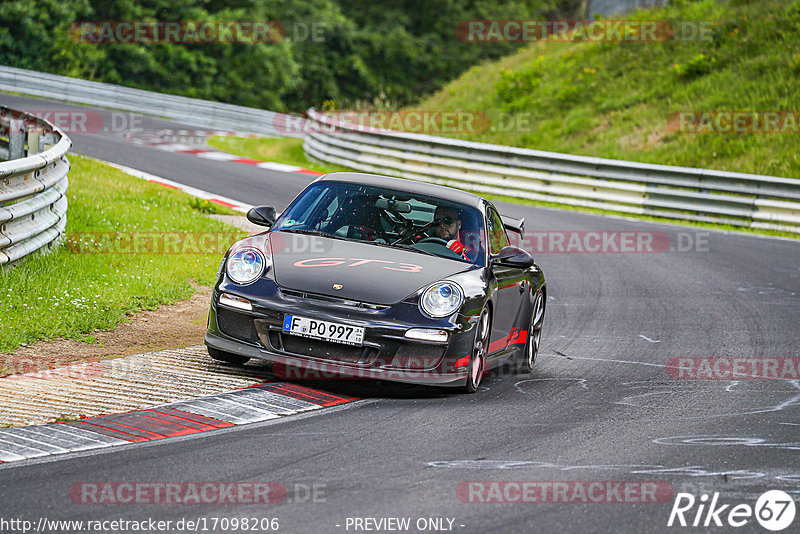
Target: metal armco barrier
pixel 33 184
pixel 750 200
pixel 193 111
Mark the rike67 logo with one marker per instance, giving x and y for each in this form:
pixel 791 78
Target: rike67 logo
pixel 774 510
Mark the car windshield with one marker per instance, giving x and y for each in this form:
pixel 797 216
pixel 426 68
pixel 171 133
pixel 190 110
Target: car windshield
pixel 387 217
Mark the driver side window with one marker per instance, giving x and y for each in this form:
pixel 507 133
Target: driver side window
pixel 497 233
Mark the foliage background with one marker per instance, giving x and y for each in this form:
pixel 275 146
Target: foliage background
pixel 372 53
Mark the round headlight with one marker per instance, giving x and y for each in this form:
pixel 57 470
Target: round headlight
pixel 441 299
pixel 246 265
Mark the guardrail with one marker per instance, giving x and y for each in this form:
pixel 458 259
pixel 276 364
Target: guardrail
pixel 749 200
pixel 193 111
pixel 33 184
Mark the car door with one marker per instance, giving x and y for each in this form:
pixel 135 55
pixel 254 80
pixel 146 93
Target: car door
pixel 508 282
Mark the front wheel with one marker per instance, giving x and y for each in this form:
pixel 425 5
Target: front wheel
pixel 227 357
pixel 527 360
pixel 480 349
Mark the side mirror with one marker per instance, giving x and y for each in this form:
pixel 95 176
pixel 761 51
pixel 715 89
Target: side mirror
pixel 262 216
pixel 513 257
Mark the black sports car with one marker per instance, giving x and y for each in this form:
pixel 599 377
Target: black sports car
pixel 371 276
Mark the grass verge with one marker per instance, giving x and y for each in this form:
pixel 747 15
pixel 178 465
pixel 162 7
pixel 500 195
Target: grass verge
pixel 619 99
pixel 131 245
pixel 288 150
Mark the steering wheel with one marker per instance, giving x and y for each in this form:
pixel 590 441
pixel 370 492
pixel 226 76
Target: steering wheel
pixel 411 231
pixel 437 240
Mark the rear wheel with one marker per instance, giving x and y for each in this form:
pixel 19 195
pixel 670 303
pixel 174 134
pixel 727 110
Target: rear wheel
pixel 227 357
pixel 528 358
pixel 480 349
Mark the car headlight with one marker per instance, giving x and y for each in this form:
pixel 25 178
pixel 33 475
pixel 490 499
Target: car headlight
pixel 441 299
pixel 246 265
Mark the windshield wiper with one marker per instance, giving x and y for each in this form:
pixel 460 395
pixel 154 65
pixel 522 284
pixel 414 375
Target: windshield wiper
pixel 314 232
pixel 404 247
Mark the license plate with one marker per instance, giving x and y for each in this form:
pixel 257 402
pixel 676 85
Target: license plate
pixel 316 329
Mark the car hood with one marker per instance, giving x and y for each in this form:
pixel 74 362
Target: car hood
pixel 366 273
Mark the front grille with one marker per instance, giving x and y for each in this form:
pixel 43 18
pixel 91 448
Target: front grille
pixel 417 356
pixel 236 325
pixel 324 350
pixel 333 300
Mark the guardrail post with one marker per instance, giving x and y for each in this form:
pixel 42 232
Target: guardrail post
pixel 16 144
pixel 34 147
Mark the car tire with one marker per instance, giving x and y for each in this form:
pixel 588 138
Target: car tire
pixel 527 359
pixel 227 357
pixel 480 349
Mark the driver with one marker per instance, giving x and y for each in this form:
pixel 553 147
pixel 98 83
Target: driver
pixel 447 224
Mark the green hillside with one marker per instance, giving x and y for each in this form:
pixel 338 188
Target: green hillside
pixel 615 99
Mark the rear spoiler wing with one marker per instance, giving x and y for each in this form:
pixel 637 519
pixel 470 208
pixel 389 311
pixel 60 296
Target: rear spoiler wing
pixel 515 225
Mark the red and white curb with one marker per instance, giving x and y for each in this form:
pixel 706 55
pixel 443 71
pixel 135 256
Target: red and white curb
pixel 160 134
pixel 193 191
pixel 157 141
pixel 250 405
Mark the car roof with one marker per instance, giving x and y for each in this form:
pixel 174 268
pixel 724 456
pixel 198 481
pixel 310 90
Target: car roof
pixel 411 186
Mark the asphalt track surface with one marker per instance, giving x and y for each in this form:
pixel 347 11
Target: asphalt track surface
pixel 600 406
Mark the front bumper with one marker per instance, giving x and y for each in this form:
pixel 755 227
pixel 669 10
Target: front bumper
pixel 385 355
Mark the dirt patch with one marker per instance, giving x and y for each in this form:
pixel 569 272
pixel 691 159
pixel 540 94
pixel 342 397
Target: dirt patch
pixel 656 137
pixel 178 325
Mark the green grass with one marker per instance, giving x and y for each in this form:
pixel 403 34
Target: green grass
pixel 71 293
pixel 614 100
pixel 206 206
pixel 288 150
